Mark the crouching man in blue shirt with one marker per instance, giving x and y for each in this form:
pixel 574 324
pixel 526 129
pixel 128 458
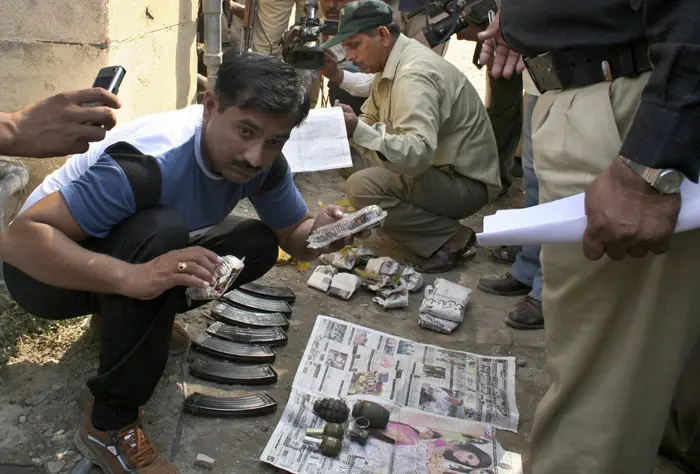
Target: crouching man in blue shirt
pixel 124 228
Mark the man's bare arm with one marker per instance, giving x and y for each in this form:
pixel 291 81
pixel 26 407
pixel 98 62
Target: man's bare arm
pixel 6 131
pixel 43 243
pixel 237 9
pixel 293 239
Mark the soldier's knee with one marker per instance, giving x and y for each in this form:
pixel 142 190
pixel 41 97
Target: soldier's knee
pixel 361 188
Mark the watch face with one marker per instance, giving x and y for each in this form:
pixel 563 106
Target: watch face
pixel 670 182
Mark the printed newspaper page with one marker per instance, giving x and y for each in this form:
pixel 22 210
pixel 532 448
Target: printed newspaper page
pixel 439 401
pixel 344 359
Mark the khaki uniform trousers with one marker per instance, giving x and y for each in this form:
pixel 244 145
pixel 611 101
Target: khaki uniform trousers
pixel 271 21
pixel 413 28
pixel 423 212
pixel 618 334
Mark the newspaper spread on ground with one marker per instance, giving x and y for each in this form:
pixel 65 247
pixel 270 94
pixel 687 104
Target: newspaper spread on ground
pixel 440 402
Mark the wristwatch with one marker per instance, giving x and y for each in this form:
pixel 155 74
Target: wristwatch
pixel 665 181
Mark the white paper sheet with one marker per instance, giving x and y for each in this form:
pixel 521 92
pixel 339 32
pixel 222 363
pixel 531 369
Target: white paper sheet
pixel 320 143
pixel 565 221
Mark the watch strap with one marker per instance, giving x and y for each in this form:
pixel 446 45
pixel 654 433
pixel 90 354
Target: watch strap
pixel 650 175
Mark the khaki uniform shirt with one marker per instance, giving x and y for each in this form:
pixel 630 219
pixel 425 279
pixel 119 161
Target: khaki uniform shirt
pixel 423 112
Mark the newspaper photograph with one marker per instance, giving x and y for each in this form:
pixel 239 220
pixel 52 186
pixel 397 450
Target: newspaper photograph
pixel 439 401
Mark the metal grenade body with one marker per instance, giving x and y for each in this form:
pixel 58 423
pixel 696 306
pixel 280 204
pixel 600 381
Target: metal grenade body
pixel 331 410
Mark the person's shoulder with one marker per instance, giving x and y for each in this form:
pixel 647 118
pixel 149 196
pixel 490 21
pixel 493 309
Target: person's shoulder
pixel 159 133
pixel 419 59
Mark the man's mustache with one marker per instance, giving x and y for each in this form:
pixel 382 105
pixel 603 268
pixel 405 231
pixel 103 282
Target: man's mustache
pixel 243 164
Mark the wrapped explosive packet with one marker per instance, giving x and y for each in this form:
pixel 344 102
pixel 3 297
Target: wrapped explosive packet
pixel 322 277
pixel 366 218
pixel 227 272
pixel 445 300
pixel 436 324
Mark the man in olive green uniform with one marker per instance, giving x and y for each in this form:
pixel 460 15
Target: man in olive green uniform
pixel 425 150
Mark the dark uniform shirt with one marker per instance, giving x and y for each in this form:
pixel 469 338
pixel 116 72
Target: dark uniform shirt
pixel 666 129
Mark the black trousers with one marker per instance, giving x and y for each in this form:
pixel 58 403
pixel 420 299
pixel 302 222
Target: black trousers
pixel 135 334
pixel 505 111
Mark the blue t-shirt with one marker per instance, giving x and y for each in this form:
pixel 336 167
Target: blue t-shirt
pixel 99 193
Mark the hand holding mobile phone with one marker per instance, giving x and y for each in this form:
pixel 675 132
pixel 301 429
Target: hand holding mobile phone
pixel 109 78
pixel 61 124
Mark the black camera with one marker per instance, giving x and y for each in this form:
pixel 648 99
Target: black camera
pixel 459 14
pixel 301 44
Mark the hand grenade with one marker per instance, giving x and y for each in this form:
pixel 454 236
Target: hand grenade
pixel 331 410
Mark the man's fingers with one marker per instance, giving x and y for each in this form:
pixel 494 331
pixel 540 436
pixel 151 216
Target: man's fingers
pixel 211 256
pixel 346 108
pixel 638 251
pixel 661 247
pixel 486 53
pixel 501 61
pixel 511 63
pixel 334 211
pixel 95 94
pixel 185 279
pixel 194 268
pixel 520 67
pixel 103 116
pixel 89 133
pixel 205 263
pixel 616 251
pixel 76 148
pixel 204 257
pixel 491 32
pixel 593 249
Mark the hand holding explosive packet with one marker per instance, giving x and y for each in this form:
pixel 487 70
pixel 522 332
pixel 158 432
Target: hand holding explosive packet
pixel 226 272
pixel 366 218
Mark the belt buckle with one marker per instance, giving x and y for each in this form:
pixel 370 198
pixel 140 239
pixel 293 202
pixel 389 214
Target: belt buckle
pixel 544 73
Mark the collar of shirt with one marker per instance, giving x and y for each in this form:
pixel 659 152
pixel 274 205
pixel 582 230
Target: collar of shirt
pixel 392 62
pixel 199 148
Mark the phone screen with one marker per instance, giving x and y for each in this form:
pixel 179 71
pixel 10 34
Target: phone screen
pixel 104 82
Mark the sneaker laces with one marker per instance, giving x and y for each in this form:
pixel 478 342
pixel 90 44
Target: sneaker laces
pixel 137 448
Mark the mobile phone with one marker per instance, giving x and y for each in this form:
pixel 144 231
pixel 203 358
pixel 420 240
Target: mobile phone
pixel 110 78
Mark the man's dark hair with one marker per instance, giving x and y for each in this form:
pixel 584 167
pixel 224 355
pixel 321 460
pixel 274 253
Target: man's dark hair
pixel 260 82
pixel 484 459
pixel 394 31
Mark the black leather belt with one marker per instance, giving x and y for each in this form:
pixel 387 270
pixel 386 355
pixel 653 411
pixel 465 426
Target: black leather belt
pixel 585 66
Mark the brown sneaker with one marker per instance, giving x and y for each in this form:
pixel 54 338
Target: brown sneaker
pixel 127 450
pixel 179 340
pixel 527 314
pixel 503 285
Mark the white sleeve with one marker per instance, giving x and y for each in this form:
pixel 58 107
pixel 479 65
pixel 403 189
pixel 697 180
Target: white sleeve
pixel 358 84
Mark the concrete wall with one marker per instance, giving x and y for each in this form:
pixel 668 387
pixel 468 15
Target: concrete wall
pixel 48 46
